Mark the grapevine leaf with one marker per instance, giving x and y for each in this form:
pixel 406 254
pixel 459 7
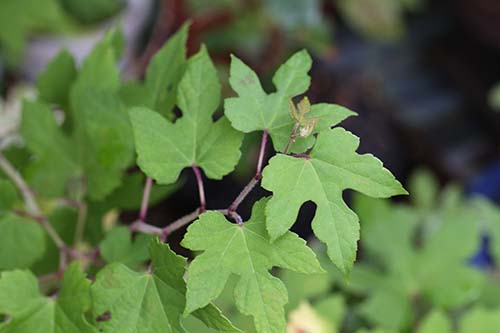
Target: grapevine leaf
pixel 55 161
pixel 22 242
pixel 30 311
pixel 255 110
pixel 165 72
pixel 480 320
pixel 107 141
pixel 55 81
pixel 147 302
pixel 247 252
pixel 165 148
pixel 119 247
pixel 435 321
pixel 333 166
pixel 102 128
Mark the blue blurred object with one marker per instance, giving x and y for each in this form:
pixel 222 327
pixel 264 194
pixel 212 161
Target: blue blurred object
pixel 483 259
pixel 486 183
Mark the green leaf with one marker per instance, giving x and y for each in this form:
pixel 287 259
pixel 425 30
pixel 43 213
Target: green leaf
pixel 106 141
pixel 54 82
pixel 388 309
pixel 8 195
pixel 165 72
pixel 247 252
pixel 333 166
pixel 55 161
pixel 92 11
pixel 255 110
pixel 22 242
pixel 150 302
pixel 20 19
pixel 30 311
pixel 165 148
pixel 119 247
pixel 424 189
pixel 435 321
pixel 480 320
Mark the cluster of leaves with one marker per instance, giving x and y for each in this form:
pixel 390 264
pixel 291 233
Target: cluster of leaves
pixel 79 168
pixel 20 19
pixel 418 271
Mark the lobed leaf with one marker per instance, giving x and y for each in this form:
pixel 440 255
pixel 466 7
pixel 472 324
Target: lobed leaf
pixel 247 252
pixel 333 167
pixel 150 302
pixel 165 148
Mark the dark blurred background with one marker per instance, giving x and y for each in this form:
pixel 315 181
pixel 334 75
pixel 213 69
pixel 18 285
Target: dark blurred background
pixel 422 74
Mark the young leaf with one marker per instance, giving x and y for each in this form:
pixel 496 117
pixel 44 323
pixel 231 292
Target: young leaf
pixel 147 302
pixel 255 110
pixel 119 247
pixel 165 72
pixel 22 242
pixel 333 166
pixel 164 148
pixel 247 252
pixel 55 159
pixel 55 81
pixel 434 322
pixel 30 311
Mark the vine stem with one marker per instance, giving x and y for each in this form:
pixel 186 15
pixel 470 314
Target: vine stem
pixel 293 135
pixel 31 205
pixel 262 151
pixel 201 188
pixel 145 199
pixel 33 211
pixel 179 223
pixel 253 182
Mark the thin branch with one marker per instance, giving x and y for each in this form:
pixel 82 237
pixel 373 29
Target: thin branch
pixel 140 226
pixel 293 135
pixel 145 199
pixel 243 194
pixel 262 151
pixel 201 189
pixel 179 223
pixel 17 179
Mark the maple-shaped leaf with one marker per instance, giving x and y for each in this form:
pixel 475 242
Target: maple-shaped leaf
pixel 256 110
pixel 126 301
pixel 332 167
pixel 244 250
pixel 30 311
pixel 165 148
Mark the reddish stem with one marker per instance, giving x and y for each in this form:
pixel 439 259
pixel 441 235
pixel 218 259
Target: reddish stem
pixel 201 189
pixel 145 199
pixel 263 144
